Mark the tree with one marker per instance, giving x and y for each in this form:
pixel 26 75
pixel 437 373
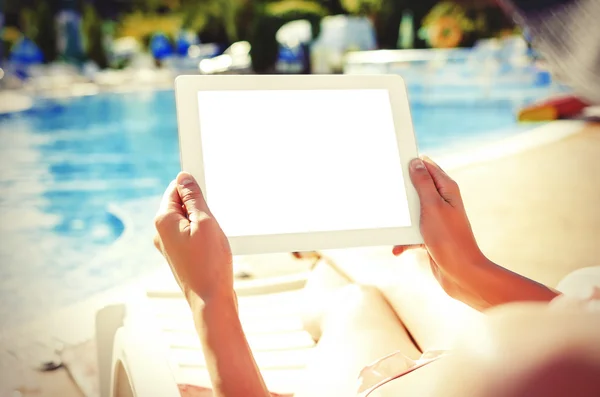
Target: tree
pixel 271 16
pixel 39 25
pixel 46 38
pixel 92 32
pixel 362 7
pixel 211 13
pixel 333 6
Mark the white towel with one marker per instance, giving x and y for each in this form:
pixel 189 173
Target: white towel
pixel 567 34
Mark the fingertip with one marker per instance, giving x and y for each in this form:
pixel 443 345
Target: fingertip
pixel 397 250
pixel 417 165
pixel 185 179
pixel 191 196
pixel 432 166
pixel 426 159
pixel 429 164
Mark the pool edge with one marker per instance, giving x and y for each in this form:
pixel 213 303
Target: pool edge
pixel 534 138
pixel 552 132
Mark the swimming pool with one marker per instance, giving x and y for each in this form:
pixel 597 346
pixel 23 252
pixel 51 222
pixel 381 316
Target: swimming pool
pixel 63 162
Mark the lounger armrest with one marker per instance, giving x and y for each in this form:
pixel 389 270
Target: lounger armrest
pixel 269 285
pixel 140 364
pixel 272 285
pixel 580 281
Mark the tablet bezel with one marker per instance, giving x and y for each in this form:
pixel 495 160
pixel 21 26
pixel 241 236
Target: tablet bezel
pixel 187 88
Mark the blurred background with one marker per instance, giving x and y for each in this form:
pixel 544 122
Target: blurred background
pixel 262 36
pixel 88 131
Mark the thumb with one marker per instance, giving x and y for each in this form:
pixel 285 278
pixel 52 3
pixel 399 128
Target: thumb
pixel 446 186
pixel 423 183
pixel 191 196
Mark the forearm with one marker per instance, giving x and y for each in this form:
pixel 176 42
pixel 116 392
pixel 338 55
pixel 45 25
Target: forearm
pixel 494 285
pixel 231 365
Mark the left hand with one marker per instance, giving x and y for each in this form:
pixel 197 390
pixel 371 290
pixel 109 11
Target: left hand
pixel 454 255
pixel 193 243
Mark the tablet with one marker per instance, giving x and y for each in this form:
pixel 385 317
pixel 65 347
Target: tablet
pixel 301 162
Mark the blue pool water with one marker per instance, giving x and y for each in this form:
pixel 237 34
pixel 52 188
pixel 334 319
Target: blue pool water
pixel 64 162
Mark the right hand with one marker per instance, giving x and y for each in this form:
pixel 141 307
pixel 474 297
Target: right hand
pixel 446 231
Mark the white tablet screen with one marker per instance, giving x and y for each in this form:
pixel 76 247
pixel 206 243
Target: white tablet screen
pixel 279 161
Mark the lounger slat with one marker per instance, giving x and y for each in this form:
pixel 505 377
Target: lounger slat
pixel 270 312
pixel 266 308
pixel 253 300
pixel 257 326
pixel 282 341
pixel 278 381
pixel 282 359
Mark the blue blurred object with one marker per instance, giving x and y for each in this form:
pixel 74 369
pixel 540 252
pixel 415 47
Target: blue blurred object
pixel 293 39
pixel 26 52
pixel 543 78
pixel 184 41
pixel 292 59
pixel 160 46
pixel 70 36
pixel 287 54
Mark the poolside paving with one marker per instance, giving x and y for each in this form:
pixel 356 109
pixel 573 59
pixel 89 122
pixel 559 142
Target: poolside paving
pixel 535 212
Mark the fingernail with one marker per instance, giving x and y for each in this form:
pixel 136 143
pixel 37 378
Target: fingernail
pixel 417 164
pixel 185 179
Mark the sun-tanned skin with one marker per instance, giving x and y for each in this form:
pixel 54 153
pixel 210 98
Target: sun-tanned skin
pixel 520 350
pixel 200 258
pixel 199 255
pixel 456 260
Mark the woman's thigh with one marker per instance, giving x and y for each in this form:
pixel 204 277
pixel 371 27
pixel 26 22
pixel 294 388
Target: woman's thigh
pixel 518 350
pixel 433 318
pixel 359 329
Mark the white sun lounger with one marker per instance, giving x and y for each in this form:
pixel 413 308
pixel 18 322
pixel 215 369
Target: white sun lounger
pixel 149 347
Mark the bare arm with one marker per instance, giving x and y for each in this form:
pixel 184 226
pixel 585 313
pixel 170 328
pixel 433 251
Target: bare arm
pixel 231 365
pixel 200 258
pixel 493 285
pixel 456 260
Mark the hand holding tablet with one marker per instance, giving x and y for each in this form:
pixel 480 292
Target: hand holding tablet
pixel 301 163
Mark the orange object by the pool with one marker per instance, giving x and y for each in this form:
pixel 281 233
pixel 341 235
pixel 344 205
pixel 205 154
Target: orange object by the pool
pixel 553 109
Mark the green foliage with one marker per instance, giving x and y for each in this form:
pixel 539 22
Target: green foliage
pixel 38 24
pixel 92 26
pixel 198 15
pixel 146 6
pixel 387 23
pixel 10 6
pixel 292 8
pixel 362 7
